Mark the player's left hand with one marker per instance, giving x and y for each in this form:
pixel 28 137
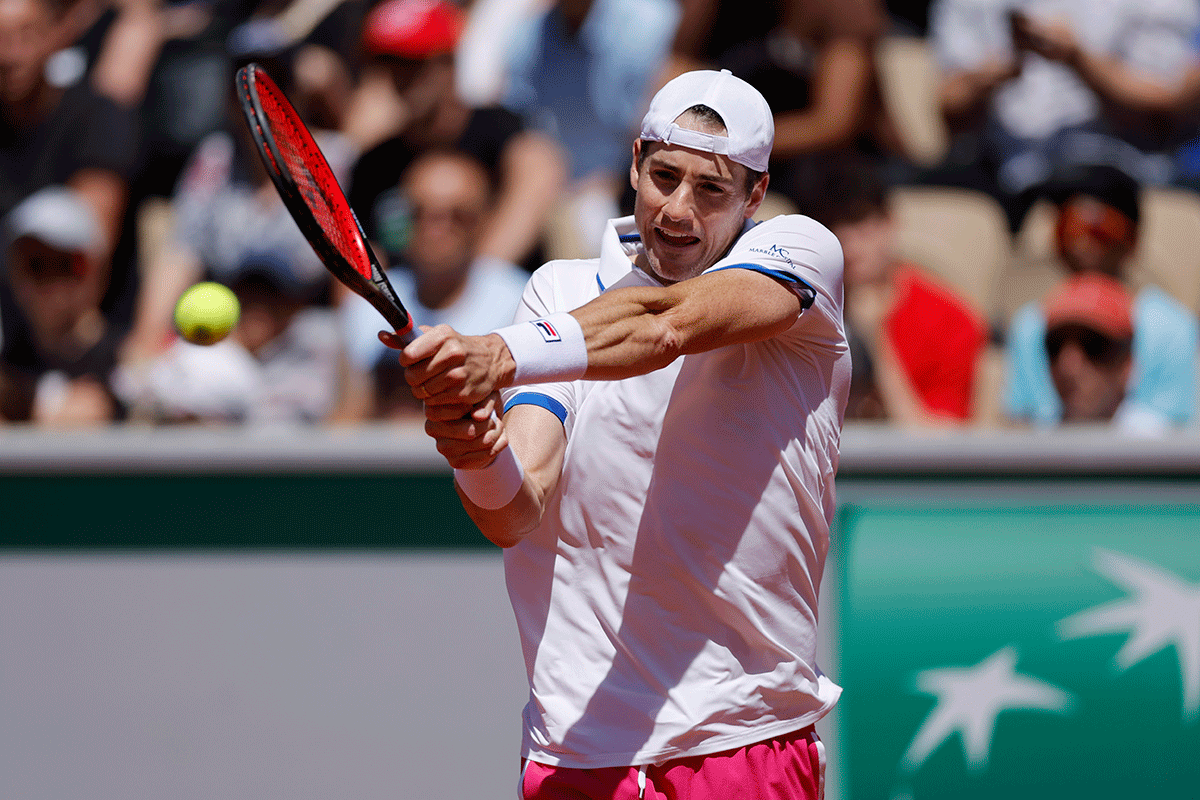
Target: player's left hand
pixel 473 440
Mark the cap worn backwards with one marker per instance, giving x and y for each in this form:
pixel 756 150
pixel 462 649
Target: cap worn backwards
pixel 749 124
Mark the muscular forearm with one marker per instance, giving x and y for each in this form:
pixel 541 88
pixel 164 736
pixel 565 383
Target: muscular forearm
pixel 625 332
pixel 635 331
pixel 630 332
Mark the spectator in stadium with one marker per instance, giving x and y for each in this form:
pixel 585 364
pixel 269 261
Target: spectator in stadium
pixel 407 102
pixel 582 71
pixel 916 343
pixel 1097 229
pixel 439 274
pixel 814 62
pixel 225 209
pixel 1020 105
pixel 56 130
pixel 1173 105
pixel 1089 343
pixel 59 348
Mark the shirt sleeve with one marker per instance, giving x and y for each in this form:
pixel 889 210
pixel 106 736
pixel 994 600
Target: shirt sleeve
pixel 804 255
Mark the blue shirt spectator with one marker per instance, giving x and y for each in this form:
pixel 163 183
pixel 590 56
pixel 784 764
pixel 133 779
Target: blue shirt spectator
pixel 585 78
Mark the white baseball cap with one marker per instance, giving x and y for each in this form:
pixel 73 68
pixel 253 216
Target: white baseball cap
pixel 748 120
pixel 57 216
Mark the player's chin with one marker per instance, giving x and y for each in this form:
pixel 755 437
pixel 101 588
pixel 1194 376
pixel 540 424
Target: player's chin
pixel 669 271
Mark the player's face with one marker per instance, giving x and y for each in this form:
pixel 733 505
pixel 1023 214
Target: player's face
pixel 690 208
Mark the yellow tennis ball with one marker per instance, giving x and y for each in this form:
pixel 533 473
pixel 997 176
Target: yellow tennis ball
pixel 206 313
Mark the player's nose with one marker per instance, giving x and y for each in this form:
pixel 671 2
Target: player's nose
pixel 679 205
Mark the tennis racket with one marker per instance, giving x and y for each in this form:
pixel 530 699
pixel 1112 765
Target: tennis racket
pixel 313 197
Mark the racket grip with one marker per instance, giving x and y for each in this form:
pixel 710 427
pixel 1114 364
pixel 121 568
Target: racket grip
pixel 409 335
pixel 404 327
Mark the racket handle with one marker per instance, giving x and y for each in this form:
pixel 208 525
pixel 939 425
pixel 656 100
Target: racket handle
pixel 409 335
pixel 399 339
pixel 403 325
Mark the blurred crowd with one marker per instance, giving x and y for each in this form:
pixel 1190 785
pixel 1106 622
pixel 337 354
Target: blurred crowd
pixel 1015 183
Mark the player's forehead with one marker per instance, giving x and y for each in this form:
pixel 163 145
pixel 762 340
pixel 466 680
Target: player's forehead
pixel 707 166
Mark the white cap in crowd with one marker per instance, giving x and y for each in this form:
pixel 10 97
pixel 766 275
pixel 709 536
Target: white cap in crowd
pixel 57 216
pixel 749 124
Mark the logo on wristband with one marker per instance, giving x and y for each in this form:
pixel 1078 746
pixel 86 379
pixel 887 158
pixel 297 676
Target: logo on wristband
pixel 547 329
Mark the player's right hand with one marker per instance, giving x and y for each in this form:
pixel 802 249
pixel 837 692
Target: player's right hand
pixel 444 367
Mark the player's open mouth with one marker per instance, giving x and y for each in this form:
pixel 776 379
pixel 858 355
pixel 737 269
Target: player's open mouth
pixel 675 239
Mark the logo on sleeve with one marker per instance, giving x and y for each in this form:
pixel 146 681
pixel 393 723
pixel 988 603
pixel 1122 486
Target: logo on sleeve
pixel 547 329
pixel 774 251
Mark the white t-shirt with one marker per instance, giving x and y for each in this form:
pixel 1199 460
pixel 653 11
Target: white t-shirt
pixel 667 605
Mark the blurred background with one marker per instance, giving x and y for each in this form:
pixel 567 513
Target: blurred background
pixel 241 571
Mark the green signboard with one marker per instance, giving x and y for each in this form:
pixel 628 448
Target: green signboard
pixel 993 650
pixel 339 511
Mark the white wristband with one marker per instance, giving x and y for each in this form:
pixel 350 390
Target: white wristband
pixel 496 484
pixel 546 349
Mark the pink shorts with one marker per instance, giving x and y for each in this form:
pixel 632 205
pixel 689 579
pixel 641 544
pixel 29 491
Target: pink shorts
pixel 788 767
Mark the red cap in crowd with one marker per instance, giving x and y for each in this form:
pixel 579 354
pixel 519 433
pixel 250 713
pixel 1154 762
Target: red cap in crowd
pixel 414 29
pixel 1094 301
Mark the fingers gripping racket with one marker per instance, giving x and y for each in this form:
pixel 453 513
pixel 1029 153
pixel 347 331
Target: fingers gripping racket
pixel 313 197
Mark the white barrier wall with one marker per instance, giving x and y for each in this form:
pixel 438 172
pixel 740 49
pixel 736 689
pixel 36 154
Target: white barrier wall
pixel 257 676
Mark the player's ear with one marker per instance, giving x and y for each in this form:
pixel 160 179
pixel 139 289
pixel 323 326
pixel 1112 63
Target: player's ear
pixel 633 167
pixel 757 194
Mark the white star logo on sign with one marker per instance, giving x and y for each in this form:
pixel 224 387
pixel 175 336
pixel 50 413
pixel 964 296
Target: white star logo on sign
pixel 1161 610
pixel 968 701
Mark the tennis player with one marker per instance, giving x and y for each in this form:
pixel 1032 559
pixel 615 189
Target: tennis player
pixel 663 473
